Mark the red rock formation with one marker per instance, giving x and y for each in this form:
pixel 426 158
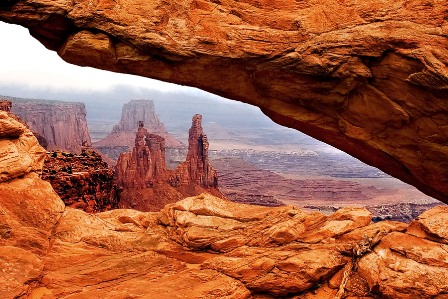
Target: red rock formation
pixel 59 125
pixel 368 77
pixel 82 181
pixel 145 182
pixel 203 246
pixel 122 137
pixel 199 167
pixel 5 105
pixel 145 164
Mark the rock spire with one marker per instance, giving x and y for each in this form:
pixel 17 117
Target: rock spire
pixel 146 183
pixel 199 168
pixel 145 164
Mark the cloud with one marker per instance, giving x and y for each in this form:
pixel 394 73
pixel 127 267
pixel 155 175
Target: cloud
pixel 25 61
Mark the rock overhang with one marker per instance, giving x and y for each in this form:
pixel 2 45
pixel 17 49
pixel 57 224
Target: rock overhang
pixel 371 81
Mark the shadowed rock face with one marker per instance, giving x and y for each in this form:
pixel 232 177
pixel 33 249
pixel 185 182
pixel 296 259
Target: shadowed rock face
pixel 82 181
pixel 367 77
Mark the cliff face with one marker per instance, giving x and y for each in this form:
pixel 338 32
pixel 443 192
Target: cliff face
pixel 366 77
pixel 58 125
pixel 122 137
pixel 83 181
pixel 145 182
pixel 203 246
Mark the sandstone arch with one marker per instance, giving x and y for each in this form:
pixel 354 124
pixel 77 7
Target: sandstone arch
pixel 370 78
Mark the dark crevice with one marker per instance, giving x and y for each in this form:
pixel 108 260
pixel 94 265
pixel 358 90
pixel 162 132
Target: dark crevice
pixel 8 3
pixel 54 32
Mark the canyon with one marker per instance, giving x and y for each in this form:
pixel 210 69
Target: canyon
pixel 305 176
pixel 245 182
pixel 146 184
pixel 58 125
pixel 203 246
pixel 371 81
pixel 367 77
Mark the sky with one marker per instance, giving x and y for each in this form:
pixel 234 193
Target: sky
pixel 23 60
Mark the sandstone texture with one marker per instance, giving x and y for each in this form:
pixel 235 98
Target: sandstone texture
pixel 369 78
pixel 83 181
pixel 122 137
pixel 57 125
pixel 207 247
pixel 146 184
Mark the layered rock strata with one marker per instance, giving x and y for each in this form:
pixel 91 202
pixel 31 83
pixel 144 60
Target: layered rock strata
pixel 58 125
pixel 122 137
pixel 82 181
pixel 367 78
pixel 203 246
pixel 147 185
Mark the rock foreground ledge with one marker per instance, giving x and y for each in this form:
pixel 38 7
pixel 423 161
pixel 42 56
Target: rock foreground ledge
pixel 368 77
pixel 203 246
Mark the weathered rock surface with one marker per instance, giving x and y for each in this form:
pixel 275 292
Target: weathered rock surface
pixel 58 125
pixel 20 153
pixel 82 181
pixel 367 77
pixel 5 105
pixel 122 137
pixel 146 184
pixel 206 247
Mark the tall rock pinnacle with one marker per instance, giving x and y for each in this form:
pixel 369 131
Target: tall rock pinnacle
pixel 145 164
pixel 199 167
pixel 145 182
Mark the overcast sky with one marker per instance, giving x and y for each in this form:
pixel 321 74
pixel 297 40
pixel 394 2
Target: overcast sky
pixel 23 60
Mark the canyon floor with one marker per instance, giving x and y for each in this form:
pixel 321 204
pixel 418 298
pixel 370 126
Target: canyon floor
pixel 203 246
pixel 275 166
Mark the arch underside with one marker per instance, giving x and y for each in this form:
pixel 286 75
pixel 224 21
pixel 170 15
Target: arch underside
pixel 371 80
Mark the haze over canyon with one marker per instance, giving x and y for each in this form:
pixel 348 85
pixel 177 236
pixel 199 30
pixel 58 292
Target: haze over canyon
pixel 131 192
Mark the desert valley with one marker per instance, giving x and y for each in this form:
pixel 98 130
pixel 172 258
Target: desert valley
pixel 257 161
pixel 296 149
